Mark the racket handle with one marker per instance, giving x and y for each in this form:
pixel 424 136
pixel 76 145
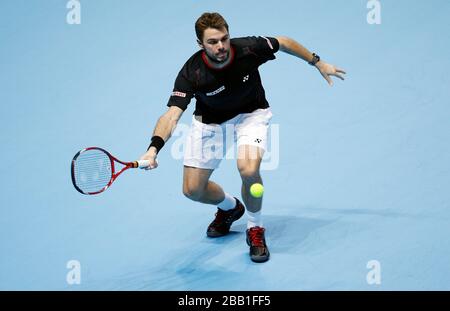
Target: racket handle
pixel 142 163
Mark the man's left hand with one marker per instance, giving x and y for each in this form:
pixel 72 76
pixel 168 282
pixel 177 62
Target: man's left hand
pixel 327 70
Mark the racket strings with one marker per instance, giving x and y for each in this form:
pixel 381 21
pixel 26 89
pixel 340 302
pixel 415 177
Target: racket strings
pixel 92 170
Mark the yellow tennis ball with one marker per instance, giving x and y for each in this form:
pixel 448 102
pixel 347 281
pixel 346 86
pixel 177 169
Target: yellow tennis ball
pixel 257 190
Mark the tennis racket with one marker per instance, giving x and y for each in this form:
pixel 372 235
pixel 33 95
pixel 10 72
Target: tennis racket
pixel 94 169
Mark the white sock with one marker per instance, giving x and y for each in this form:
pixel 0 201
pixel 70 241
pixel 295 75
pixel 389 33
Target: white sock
pixel 254 219
pixel 228 203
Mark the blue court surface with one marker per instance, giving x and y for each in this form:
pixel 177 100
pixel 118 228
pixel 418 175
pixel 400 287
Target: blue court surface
pixel 356 176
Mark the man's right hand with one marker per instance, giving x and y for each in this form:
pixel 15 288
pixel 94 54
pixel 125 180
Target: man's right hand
pixel 150 155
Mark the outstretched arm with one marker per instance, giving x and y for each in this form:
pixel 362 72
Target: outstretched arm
pixel 292 47
pixel 164 128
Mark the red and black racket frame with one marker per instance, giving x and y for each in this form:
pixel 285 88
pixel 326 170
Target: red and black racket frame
pixel 114 175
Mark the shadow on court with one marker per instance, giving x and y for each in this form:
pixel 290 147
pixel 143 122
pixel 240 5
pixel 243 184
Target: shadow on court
pixel 220 263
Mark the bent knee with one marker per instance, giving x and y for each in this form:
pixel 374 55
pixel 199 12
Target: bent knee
pixel 193 192
pixel 248 172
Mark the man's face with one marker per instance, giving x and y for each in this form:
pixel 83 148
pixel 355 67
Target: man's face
pixel 216 44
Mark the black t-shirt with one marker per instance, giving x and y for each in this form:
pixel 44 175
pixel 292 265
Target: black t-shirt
pixel 222 94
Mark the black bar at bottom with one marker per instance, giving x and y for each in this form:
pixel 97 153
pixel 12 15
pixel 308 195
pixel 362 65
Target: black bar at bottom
pixel 229 300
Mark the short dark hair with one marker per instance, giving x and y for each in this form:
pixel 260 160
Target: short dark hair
pixel 209 20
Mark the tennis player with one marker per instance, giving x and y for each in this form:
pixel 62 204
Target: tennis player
pixel 223 77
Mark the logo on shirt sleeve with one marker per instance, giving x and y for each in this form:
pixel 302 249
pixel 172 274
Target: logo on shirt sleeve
pixel 268 42
pixel 179 94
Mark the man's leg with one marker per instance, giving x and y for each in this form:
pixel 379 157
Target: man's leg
pixel 198 187
pixel 249 162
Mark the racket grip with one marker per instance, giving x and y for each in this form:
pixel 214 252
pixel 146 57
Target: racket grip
pixel 142 163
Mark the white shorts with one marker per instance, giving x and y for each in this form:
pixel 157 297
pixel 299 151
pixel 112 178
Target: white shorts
pixel 207 144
